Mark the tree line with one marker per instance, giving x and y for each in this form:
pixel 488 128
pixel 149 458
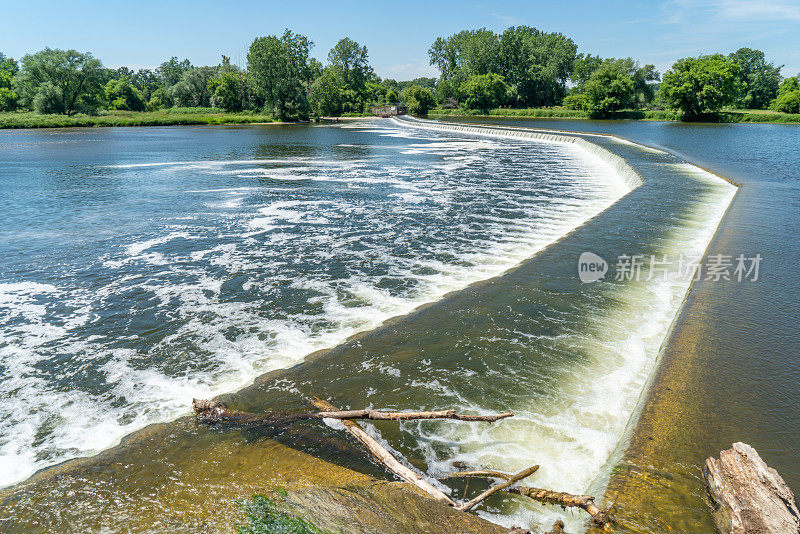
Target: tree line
pixel 526 67
pixel 479 70
pixel 280 78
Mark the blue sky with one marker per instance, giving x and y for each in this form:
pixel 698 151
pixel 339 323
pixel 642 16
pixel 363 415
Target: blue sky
pixel 398 34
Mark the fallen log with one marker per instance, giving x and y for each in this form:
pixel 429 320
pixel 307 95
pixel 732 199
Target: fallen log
pixel 748 496
pixel 494 489
pixel 383 456
pixel 215 412
pixel 563 499
pixel 377 415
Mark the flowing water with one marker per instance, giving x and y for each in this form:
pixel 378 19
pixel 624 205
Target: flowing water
pixel 143 267
pixel 730 369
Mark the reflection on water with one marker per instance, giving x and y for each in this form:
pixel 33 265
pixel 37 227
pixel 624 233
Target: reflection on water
pixel 240 277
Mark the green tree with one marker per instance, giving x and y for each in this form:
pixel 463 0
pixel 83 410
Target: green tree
pixel 193 88
pixel 419 99
pixel 575 101
pixel 159 99
pixel 643 78
pixel 231 90
pixel 281 72
pixel 609 88
pixel 536 64
pixel 170 72
pixel 582 68
pixel 484 91
pixel 350 61
pixel 60 81
pixel 8 97
pixel 376 92
pixel 120 94
pixel 698 85
pixel 473 51
pixel 788 99
pixel 760 79
pixel 146 81
pixel 327 94
pixel 8 64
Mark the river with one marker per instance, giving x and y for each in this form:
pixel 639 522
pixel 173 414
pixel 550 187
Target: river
pixel 144 267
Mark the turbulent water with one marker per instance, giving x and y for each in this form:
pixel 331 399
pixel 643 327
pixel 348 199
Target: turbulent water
pixel 143 267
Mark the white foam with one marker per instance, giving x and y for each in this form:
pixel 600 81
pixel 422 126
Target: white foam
pixel 255 240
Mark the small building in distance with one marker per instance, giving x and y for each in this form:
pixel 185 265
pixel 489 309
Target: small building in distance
pixel 388 110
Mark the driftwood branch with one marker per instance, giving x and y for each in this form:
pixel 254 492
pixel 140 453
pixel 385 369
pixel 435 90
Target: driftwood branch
pixel 377 415
pixel 494 489
pixel 385 457
pixel 585 502
pixel 215 412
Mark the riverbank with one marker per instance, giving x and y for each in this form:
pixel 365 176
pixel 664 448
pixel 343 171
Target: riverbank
pixel 165 117
pixel 728 116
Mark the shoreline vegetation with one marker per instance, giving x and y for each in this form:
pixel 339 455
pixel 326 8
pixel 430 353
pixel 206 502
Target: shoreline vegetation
pixel 215 116
pixel 164 117
pixel 726 116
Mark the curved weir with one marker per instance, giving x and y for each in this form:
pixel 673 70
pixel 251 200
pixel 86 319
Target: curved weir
pixel 570 359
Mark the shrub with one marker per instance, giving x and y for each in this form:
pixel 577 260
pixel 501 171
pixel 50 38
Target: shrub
pixel 574 101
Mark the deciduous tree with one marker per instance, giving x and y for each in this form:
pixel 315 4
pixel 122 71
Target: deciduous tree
pixel 760 79
pixel 120 94
pixel 484 91
pixel 281 72
pixel 60 81
pixel 703 84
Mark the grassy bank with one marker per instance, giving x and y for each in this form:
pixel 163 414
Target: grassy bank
pixel 762 116
pixel 165 117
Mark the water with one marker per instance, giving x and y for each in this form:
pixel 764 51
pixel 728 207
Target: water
pixel 730 367
pixel 145 267
pixel 148 266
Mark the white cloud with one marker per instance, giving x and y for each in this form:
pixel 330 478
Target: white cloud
pixel 764 10
pixel 706 11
